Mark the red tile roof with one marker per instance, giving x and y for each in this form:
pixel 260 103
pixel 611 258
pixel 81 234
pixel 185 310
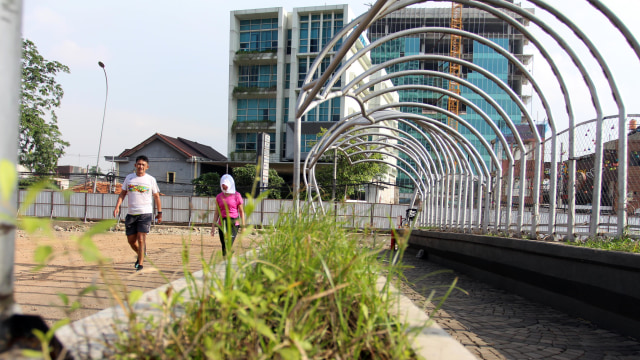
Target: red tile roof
pixel 101 188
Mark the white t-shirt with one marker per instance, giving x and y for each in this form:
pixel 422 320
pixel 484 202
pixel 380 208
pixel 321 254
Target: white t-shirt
pixel 140 190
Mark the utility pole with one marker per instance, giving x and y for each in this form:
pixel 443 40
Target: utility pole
pixel 10 76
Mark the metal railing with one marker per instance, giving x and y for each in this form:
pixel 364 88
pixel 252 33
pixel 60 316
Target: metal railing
pixel 198 211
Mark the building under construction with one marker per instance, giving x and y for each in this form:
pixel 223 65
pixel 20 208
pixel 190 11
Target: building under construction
pixel 436 43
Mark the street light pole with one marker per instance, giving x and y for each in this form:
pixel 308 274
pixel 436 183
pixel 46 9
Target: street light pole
pixel 101 64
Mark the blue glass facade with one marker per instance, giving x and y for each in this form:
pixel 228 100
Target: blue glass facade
pixel 479 54
pixel 259 35
pixel 256 110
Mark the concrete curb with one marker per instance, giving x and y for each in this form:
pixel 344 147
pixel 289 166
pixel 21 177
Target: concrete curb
pixel 89 338
pixel 431 342
pixel 598 285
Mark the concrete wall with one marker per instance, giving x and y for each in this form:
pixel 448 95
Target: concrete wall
pixel 601 286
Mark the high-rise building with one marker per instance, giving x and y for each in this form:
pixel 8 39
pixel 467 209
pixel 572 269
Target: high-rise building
pixel 437 43
pixel 270 53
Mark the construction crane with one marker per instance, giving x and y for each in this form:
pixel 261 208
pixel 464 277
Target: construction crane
pixel 455 50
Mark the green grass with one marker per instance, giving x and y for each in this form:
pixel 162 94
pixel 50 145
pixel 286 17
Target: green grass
pixel 624 244
pixel 309 294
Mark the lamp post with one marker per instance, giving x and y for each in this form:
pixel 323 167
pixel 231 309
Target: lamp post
pixel 101 64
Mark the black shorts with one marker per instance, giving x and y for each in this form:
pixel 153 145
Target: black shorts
pixel 134 224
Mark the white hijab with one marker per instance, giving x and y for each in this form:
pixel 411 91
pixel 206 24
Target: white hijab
pixel 227 179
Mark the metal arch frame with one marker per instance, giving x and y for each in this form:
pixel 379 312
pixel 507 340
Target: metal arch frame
pixel 435 125
pixel 427 214
pixel 594 97
pixel 525 73
pixel 516 99
pixel 315 155
pixel 419 184
pixel 379 67
pixel 314 158
pixel 382 8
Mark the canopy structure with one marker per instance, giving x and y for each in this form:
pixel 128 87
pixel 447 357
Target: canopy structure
pixel 505 171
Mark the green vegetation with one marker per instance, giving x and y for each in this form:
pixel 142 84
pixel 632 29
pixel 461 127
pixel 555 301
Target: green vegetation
pixel 349 175
pixel 267 51
pixel 309 293
pixel 625 244
pixel 40 142
pixel 246 176
pixel 207 184
pixel 253 89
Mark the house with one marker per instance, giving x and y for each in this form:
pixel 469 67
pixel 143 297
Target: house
pixel 174 162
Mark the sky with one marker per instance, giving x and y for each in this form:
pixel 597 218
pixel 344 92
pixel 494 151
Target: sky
pixel 167 67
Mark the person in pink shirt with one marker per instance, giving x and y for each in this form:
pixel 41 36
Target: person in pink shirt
pixel 228 210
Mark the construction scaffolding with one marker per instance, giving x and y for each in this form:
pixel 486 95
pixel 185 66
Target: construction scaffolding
pixel 455 68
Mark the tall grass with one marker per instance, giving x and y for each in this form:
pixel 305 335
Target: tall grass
pixel 309 293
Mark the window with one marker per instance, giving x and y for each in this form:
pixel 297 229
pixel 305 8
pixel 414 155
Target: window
pixel 307 142
pixel 634 158
pixel 285 112
pixel 284 145
pixel 256 110
pixel 248 142
pixel 305 63
pixel 316 31
pixel 260 76
pixel 327 111
pixel 171 177
pixel 259 34
pixel 287 77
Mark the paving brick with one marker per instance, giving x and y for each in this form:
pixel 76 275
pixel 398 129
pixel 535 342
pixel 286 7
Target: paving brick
pixel 496 325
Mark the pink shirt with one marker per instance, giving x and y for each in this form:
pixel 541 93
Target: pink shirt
pixel 232 202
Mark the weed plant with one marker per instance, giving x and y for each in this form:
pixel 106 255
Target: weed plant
pixel 625 244
pixel 309 293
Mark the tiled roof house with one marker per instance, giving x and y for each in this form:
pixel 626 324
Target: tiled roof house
pixel 174 162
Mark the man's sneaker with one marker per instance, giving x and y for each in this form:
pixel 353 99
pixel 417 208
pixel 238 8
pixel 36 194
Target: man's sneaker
pixel 139 268
pixel 136 264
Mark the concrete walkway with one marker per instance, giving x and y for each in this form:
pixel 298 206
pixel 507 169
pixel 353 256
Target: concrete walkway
pixel 494 324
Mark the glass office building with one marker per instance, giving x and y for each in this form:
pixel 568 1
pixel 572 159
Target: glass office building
pixel 437 43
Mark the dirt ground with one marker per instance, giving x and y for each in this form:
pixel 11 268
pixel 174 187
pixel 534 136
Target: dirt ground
pixel 37 292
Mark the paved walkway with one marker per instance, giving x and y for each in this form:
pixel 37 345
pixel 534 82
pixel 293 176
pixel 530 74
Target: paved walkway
pixel 494 324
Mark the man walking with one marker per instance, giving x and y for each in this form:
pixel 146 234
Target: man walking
pixel 142 190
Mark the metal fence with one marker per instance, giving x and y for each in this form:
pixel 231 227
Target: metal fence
pixel 194 210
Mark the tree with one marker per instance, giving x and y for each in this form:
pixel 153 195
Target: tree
pixel 207 184
pixel 348 174
pixel 245 177
pixel 41 143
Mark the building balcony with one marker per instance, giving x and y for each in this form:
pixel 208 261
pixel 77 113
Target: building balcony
pixel 243 156
pixel 255 57
pixel 253 126
pixel 525 59
pixel 240 92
